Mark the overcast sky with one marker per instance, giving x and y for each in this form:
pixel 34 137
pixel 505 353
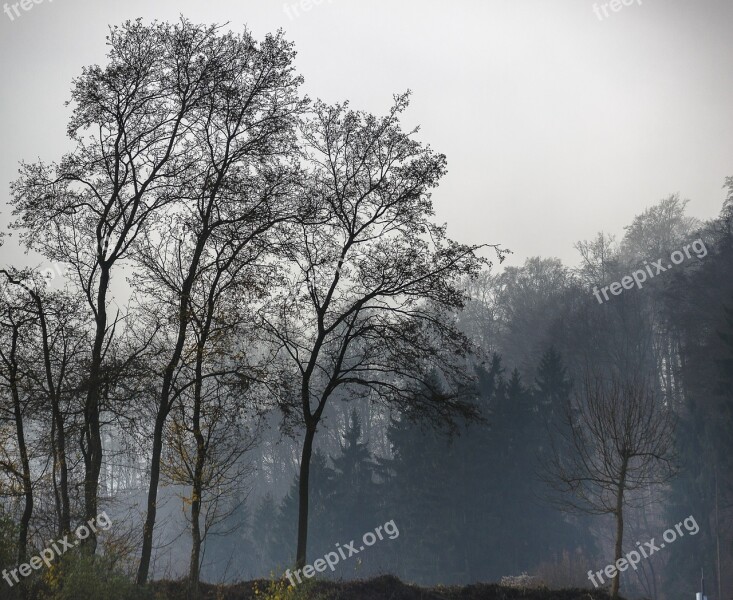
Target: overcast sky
pixel 556 124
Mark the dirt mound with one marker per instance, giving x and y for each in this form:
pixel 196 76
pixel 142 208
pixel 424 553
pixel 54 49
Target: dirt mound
pixel 381 588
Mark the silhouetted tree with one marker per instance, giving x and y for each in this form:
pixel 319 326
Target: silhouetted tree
pixel 621 441
pixel 371 280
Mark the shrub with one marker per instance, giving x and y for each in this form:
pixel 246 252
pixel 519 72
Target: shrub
pixel 522 581
pixel 280 589
pixel 78 576
pixel 566 571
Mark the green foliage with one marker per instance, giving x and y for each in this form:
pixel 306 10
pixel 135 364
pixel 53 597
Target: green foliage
pixel 280 589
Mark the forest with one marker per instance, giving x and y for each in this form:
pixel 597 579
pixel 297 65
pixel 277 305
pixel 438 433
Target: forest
pixel 249 351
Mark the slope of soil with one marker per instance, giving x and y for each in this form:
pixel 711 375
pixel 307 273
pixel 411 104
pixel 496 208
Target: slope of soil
pixel 381 588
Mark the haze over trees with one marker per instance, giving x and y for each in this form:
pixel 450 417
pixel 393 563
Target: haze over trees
pixel 265 344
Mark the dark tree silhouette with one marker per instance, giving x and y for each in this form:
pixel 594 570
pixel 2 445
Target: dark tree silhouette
pixel 620 441
pixel 371 283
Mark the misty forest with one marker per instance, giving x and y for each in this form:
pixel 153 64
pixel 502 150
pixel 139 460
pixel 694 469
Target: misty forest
pixel 243 358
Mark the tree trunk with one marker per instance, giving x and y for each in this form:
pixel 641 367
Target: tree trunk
pixel 147 546
pixel 63 484
pixel 616 582
pixel 23 450
pixel 92 432
pixel 194 568
pixel 303 486
pixel 58 433
pixel 196 499
pixel 164 407
pixel 27 486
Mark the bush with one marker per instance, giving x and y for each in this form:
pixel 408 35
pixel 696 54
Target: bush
pixel 522 581
pixel 280 589
pixel 566 571
pixel 78 576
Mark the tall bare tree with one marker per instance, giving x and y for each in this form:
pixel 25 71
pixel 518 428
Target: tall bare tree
pixel 239 190
pixel 132 125
pixel 213 386
pixel 371 283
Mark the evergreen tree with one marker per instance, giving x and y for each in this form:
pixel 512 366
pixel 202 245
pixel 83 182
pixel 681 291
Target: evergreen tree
pixel 560 532
pixel 323 535
pixel 354 499
pixel 263 535
pixel 478 492
pixel 553 383
pixel 419 483
pixel 514 427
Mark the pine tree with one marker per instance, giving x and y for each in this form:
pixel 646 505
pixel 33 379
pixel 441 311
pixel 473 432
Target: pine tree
pixel 322 535
pixel 515 425
pixel 560 532
pixel 476 498
pixel 420 483
pixel 553 383
pixel 354 499
pixel 264 537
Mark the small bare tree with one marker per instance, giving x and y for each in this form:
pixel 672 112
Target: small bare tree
pixel 55 359
pixel 207 440
pixel 616 438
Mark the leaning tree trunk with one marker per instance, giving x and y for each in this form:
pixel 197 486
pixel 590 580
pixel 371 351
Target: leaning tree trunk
pixel 147 546
pixel 164 407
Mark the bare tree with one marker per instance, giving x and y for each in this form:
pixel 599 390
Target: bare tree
pixel 209 434
pixel 17 322
pixel 237 193
pixel 207 440
pixel 616 439
pixel 371 283
pixel 132 125
pixel 55 376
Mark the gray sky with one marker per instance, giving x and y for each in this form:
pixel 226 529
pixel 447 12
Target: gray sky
pixel 556 124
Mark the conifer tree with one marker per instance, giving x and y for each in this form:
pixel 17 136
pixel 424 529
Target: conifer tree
pixel 354 503
pixel 324 535
pixel 420 480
